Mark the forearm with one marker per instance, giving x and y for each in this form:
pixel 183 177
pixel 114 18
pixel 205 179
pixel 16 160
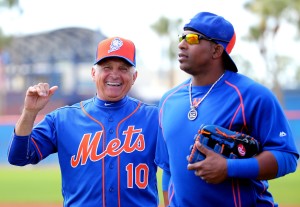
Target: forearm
pixel 268 166
pixel 166 199
pixel 25 123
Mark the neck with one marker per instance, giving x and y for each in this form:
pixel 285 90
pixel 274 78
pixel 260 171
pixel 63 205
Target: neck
pixel 204 79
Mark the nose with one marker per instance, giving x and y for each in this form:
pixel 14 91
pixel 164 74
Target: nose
pixel 115 73
pixel 182 45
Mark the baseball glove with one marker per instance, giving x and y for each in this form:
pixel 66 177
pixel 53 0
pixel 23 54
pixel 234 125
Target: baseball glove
pixel 228 143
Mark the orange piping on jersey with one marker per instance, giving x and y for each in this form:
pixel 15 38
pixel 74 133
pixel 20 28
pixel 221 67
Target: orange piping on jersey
pixel 261 194
pixel 117 133
pixel 233 118
pixel 37 148
pixel 103 148
pixel 162 106
pixel 242 108
pixel 241 104
pixel 171 192
pixel 238 192
pixel 233 194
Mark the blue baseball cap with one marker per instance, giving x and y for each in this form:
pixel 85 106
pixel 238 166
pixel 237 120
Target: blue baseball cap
pixel 219 30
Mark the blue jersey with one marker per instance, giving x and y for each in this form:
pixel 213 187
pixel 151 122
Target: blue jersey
pixel 105 150
pixel 236 103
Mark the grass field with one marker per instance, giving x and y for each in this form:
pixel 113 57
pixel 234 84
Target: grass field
pixel 42 185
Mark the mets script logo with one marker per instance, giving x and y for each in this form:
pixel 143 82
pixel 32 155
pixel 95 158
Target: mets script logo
pixel 88 146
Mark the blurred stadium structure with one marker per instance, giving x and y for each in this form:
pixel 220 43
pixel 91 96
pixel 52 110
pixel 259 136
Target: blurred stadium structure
pixel 64 57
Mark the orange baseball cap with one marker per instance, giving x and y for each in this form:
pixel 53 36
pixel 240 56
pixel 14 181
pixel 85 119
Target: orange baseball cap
pixel 116 47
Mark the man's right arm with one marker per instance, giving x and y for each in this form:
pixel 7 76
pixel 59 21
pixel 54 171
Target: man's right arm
pixel 21 151
pixel 36 99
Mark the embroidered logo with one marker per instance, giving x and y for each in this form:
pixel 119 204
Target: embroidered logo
pixel 116 44
pixel 88 148
pixel 241 150
pixel 282 134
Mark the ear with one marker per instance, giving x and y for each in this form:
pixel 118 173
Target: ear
pixel 93 73
pixel 218 51
pixel 135 76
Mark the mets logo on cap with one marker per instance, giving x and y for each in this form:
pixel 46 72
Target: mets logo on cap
pixel 116 47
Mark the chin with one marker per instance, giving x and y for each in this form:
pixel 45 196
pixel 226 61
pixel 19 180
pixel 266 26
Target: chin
pixel 115 98
pixel 185 69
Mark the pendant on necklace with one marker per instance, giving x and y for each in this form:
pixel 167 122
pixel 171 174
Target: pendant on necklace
pixel 192 115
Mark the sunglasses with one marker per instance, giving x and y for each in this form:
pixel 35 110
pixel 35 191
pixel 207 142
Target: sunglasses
pixel 195 38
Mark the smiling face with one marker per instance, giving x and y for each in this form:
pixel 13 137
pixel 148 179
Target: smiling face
pixel 114 78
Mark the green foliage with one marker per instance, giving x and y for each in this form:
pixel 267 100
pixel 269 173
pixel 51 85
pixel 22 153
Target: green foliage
pixel 271 16
pixel 168 30
pixel 4 40
pixel 9 3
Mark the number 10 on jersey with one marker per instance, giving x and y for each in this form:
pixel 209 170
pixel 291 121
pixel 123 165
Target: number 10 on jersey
pixel 137 175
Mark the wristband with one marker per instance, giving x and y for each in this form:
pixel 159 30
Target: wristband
pixel 243 168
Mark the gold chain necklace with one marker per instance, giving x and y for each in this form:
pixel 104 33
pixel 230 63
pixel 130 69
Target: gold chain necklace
pixel 192 115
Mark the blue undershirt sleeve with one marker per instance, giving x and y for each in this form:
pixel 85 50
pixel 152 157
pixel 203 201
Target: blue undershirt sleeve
pixel 287 162
pixel 21 152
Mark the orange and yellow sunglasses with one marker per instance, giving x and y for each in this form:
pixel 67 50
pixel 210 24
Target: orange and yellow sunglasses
pixel 195 38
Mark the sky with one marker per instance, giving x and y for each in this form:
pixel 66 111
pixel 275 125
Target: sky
pixel 132 19
pixel 127 18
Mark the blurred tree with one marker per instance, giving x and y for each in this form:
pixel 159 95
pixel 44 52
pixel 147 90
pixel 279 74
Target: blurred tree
pixel 168 29
pixel 9 3
pixel 272 15
pixel 4 40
